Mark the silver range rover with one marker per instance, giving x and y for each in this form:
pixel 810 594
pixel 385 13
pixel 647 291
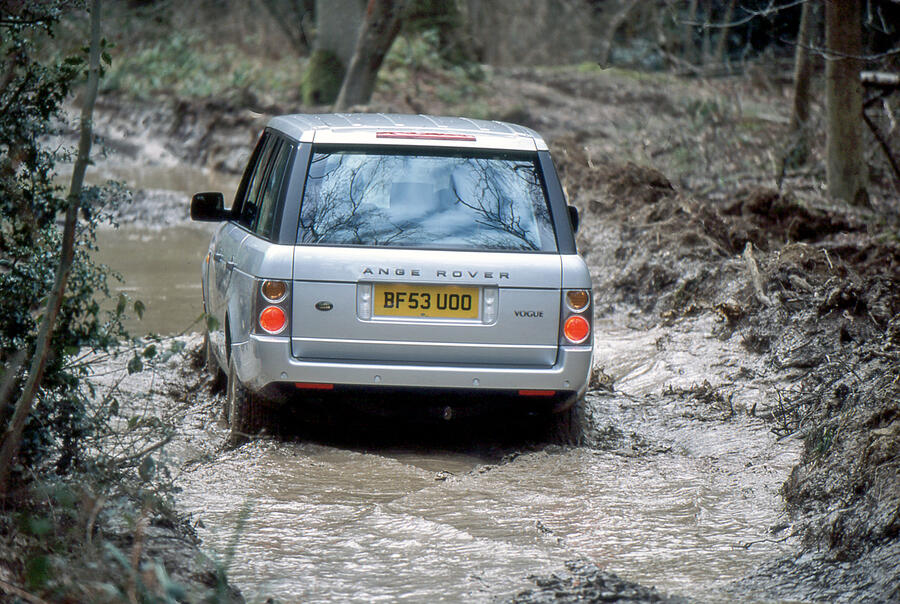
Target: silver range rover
pixel 393 253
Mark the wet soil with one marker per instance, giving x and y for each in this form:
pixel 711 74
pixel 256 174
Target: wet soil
pixel 813 294
pixel 742 330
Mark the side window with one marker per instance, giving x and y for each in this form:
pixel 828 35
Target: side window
pixel 247 177
pixel 266 216
pixel 248 209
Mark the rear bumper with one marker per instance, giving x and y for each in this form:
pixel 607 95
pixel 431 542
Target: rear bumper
pixel 264 360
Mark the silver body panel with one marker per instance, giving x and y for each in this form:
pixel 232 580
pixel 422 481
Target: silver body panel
pixel 528 283
pixel 263 360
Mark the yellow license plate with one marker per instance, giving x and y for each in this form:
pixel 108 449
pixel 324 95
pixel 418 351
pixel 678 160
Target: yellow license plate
pixel 439 301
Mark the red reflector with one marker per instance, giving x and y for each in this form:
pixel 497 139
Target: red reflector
pixel 435 136
pixel 272 319
pixel 577 329
pixel 313 386
pixel 537 392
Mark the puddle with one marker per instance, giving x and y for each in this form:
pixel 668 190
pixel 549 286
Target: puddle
pixel 672 500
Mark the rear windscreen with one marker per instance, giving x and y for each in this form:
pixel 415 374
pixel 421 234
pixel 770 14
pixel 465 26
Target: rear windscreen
pixel 426 199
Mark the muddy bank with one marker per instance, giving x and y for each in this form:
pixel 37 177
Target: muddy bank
pixel 107 530
pixel 809 289
pixel 126 552
pixel 213 135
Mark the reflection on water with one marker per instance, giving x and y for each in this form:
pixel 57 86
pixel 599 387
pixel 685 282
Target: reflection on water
pixel 162 269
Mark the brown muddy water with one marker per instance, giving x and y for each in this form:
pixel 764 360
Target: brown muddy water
pixel 671 493
pixel 158 252
pixel 669 496
pixel 161 268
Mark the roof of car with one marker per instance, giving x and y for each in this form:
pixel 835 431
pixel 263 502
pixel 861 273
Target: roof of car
pixel 398 129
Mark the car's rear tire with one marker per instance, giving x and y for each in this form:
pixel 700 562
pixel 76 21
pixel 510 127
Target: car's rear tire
pixel 212 365
pixel 567 426
pixel 245 411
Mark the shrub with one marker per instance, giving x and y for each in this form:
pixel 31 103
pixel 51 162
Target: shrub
pixel 32 90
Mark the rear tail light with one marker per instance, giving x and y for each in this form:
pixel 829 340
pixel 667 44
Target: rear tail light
pixel 577 329
pixel 273 307
pixel 272 320
pixel 576 317
pixel 273 291
pixel 578 299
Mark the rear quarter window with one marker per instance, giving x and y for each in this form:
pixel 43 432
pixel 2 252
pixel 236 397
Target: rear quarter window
pixel 269 196
pixel 426 198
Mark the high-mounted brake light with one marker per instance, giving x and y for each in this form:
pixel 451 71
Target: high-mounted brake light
pixel 433 136
pixel 272 319
pixel 537 392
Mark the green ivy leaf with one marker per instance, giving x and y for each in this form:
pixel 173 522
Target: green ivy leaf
pixel 147 469
pixel 38 571
pixel 38 526
pixel 135 365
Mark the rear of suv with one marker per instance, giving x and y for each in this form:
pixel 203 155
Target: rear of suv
pixel 397 252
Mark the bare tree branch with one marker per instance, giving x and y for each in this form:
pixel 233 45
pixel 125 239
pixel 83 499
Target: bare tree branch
pixel 751 15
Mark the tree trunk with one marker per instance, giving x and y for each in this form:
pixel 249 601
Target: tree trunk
pixel 722 43
pixel 803 69
pixel 845 167
pixel 706 44
pixel 337 23
pixel 377 33
pixel 614 24
pixel 292 18
pixel 690 49
pixel 12 439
